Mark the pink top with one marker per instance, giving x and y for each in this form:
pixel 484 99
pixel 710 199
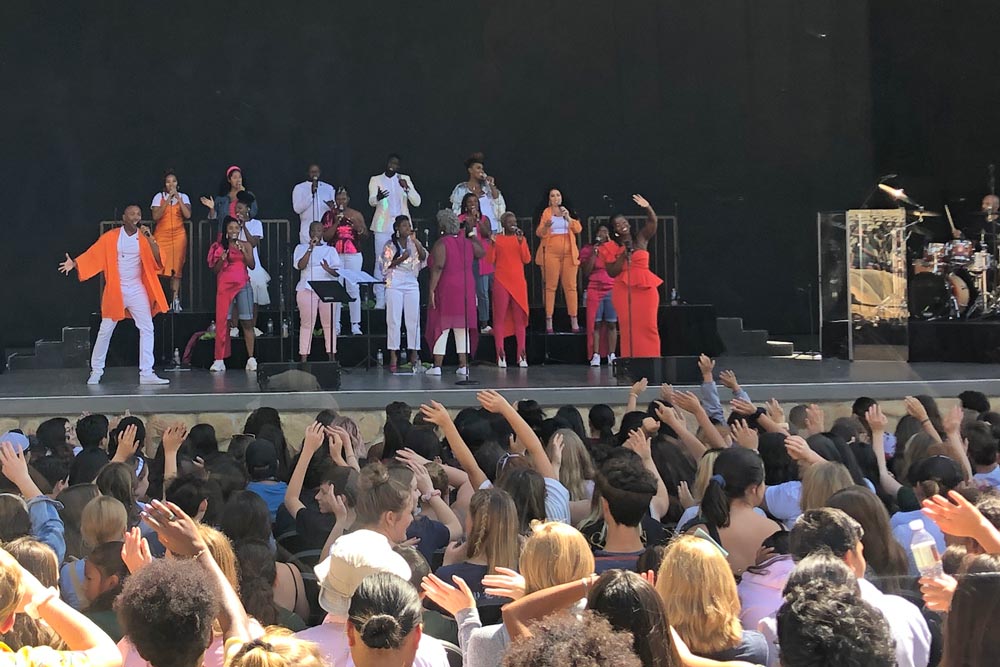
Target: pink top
pixel 485 266
pixel 598 278
pixel 234 269
pixel 345 241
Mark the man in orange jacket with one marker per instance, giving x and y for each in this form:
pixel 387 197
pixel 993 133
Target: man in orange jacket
pixel 129 258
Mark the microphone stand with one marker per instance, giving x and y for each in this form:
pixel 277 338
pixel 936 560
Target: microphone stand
pixel 628 296
pixel 465 309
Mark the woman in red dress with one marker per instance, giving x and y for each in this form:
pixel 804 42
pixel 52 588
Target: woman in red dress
pixel 509 253
pixel 635 293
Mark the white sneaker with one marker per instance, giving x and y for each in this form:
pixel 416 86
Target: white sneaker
pixel 355 329
pixel 462 370
pixel 523 363
pixel 95 377
pixel 501 363
pixel 595 360
pixel 485 330
pixel 257 332
pixel 252 364
pixel 218 366
pixel 436 370
pixel 234 332
pixel 611 359
pixel 379 304
pixel 152 378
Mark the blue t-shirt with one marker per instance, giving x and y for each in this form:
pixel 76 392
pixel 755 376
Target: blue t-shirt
pixel 752 648
pixel 611 560
pixel 433 535
pixel 273 494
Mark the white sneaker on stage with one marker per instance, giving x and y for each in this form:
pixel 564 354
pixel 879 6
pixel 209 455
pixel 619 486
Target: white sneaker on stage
pixel 501 363
pixel 218 366
pixel 523 363
pixel 464 370
pixel 152 378
pixel 234 332
pixel 595 360
pixel 436 370
pixel 486 330
pixel 252 364
pixel 257 332
pixel 611 359
pixel 95 377
pixel 355 329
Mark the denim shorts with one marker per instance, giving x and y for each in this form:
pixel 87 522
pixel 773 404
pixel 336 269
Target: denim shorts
pixel 606 310
pixel 244 302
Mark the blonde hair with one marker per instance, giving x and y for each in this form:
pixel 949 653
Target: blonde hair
pixel 278 647
pixel 104 520
pixel 699 595
pixel 493 529
pixel 554 553
pixel 704 473
pixel 10 585
pixel 822 480
pixel 576 467
pixel 222 552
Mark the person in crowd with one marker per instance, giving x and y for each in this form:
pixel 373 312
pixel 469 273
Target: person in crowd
pixel 258 577
pixel 885 557
pixel 117 480
pixel 491 201
pixel 171 209
pixel 129 258
pixel 40 561
pixel 251 232
pixel 262 469
pixel 822 480
pixel 825 621
pixel 983 450
pixel 43 521
pixel 601 421
pixel 401 258
pixel 627 489
pixel 760 587
pixel 343 228
pixel 309 201
pixel 699 594
pixel 316 262
pixel 92 432
pixel 860 409
pixel 384 621
pixel 631 604
pixel 231 260
pixel 391 194
pixel 431 534
pixel 930 477
pixel 104 519
pixel 635 294
pixel 223 204
pixel 52 437
pixel 508 253
pixel 975 401
pixel 586 642
pixel 450 262
pixel 73 500
pixel 968 639
pixel 105 574
pixel 22 593
pixel 559 256
pixel 476 225
pixel 600 309
pixel 572 463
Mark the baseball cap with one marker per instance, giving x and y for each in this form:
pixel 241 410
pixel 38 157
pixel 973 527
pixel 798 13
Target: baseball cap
pixel 19 440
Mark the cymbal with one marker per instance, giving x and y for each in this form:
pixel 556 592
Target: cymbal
pixel 925 214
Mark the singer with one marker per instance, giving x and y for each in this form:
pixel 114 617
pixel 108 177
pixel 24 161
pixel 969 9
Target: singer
pixel 252 231
pixel 559 256
pixel 131 289
pixel 343 228
pixel 224 203
pixel 231 260
pixel 491 201
pixel 391 194
pixel 401 260
pixel 315 261
pixel 308 199
pixel 509 253
pixel 474 222
pixel 170 210
pixel 635 293
pixel 600 309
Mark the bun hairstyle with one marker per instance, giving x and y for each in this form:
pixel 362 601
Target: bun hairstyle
pixel 385 608
pixel 378 493
pixel 475 158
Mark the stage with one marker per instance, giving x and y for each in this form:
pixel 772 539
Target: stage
pixel 65 392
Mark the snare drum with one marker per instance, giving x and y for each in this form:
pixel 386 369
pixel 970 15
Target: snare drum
pixel 936 257
pixel 981 261
pixel 960 253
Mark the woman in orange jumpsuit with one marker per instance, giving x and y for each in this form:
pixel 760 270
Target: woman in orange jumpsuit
pixel 559 256
pixel 170 209
pixel 635 294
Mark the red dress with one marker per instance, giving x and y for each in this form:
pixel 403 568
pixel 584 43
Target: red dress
pixel 639 334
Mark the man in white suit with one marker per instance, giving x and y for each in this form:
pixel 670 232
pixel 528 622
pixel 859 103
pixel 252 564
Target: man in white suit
pixel 391 194
pixel 309 200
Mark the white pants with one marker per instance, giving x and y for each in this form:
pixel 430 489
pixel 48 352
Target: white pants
pixel 461 341
pixel 309 307
pixel 400 303
pixel 137 302
pixel 351 261
pixel 381 238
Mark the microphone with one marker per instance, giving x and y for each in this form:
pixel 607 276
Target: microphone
pixel 427 235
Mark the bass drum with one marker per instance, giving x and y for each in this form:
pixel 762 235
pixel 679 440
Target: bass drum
pixel 931 295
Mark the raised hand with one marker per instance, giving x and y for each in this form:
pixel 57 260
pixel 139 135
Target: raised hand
pixel 135 550
pixel 173 437
pixel 915 408
pixel 728 380
pixel 669 416
pixel 505 584
pixel 952 421
pixel 492 401
pixel 667 393
pixel 815 419
pixel 208 202
pixel 687 402
pixel 315 434
pixel 742 407
pixel 640 201
pixel 684 495
pixel 800 451
pixel 558 443
pixel 436 414
pixel 177 531
pixel 639 387
pixel 13 464
pixel 407 455
pixel 775 411
pixel 450 598
pixel 128 445
pixel 744 435
pixel 423 478
pixel 640 444
pixel 876 419
pixel 958 517
pixel 706 365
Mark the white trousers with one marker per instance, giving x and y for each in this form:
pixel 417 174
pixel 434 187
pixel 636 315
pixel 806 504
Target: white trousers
pixel 351 261
pixel 381 238
pixel 400 304
pixel 461 341
pixel 137 302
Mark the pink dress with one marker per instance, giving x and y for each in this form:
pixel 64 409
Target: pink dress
pixel 456 279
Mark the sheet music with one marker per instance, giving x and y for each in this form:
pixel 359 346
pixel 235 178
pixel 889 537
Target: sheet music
pixel 358 277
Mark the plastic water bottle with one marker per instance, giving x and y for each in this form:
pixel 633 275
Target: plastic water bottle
pixel 379 359
pixel 177 357
pixel 924 549
pixel 270 326
pixel 284 328
pixel 211 327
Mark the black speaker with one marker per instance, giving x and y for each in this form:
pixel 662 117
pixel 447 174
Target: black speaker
pixel 672 370
pixel 297 376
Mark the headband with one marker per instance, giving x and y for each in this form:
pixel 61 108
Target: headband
pixel 232 169
pixel 718 479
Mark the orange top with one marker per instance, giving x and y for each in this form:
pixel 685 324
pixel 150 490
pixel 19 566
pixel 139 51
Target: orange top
pixel 509 254
pixel 103 257
pixel 544 233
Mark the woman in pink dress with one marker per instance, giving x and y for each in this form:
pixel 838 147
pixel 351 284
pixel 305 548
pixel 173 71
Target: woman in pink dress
pixel 450 262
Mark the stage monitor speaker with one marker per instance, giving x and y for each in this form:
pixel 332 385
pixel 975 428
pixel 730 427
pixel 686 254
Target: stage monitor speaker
pixel 672 370
pixel 297 376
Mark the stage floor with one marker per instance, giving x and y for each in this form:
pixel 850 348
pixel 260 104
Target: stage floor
pixel 64 392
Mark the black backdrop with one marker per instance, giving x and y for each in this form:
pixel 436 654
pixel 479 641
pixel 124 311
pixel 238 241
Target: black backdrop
pixel 748 116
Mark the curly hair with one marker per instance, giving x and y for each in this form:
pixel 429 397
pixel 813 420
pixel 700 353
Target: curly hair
pixel 826 623
pixel 164 601
pixel 560 640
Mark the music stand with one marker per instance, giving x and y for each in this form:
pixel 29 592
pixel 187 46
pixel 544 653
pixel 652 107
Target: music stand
pixel 331 292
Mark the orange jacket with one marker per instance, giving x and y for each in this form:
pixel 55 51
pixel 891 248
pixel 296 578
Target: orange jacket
pixel 103 257
pixel 543 232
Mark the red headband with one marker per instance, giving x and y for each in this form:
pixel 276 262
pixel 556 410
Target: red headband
pixel 232 169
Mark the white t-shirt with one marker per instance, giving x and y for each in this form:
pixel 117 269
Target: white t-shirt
pixel 129 264
pixel 255 227
pixel 559 225
pixel 158 198
pixel 486 208
pixel 314 269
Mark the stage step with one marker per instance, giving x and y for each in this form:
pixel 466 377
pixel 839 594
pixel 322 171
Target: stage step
pixel 742 342
pixel 72 351
pixel 780 348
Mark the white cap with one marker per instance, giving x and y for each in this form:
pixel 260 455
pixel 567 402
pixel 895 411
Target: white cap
pixel 917 524
pixel 352 558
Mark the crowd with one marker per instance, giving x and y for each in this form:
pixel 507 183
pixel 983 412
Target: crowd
pixel 509 534
pixel 476 270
